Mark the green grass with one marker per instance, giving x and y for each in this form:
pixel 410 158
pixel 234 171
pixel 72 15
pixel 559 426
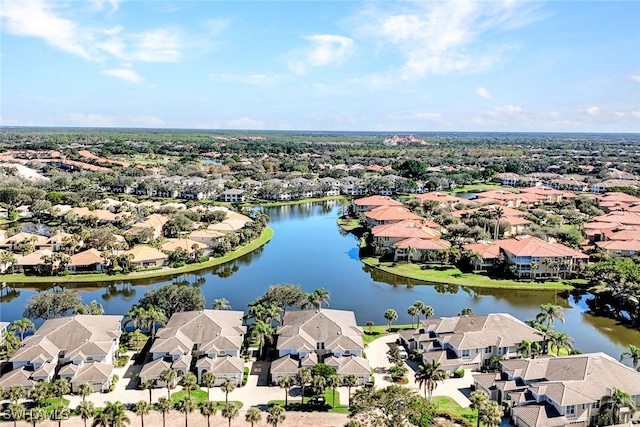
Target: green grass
pixel 51 403
pixel 378 331
pixel 199 395
pixel 294 404
pixel 454 276
pixel 266 235
pixel 349 225
pixel 447 404
pixel 476 188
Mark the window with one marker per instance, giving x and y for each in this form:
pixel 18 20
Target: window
pixel 487 350
pixel 465 354
pixel 320 346
pixel 571 410
pixel 595 405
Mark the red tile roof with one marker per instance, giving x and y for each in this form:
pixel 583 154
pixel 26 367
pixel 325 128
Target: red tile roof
pixel 377 201
pixel 534 247
pixel 425 244
pixel 391 213
pixel 487 250
pixel 406 229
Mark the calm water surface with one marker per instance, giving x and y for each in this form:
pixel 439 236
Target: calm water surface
pixel 308 249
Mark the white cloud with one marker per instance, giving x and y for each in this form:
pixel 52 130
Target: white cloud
pixel 88 120
pixel 252 78
pixel 324 49
pixel 505 110
pixel 484 93
pixel 146 122
pixel 446 36
pixel 635 77
pixel 33 18
pixel 162 45
pixel 124 74
pixel 591 111
pixel 245 123
pixel 374 81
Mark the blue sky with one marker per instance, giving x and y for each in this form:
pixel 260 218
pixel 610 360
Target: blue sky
pixel 334 65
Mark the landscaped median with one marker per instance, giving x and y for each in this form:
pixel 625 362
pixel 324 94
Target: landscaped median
pixel 266 235
pixel 453 276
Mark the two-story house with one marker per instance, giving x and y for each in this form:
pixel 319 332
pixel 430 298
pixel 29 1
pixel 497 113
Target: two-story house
pixel 559 391
pixel 469 342
pixel 207 340
pixel 307 337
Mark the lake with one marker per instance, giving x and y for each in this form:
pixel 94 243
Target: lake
pixel 309 249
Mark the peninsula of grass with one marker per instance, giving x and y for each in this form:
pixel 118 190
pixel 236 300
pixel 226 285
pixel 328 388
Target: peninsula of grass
pixel 453 276
pixel 349 225
pixel 476 188
pixel 447 404
pixel 266 235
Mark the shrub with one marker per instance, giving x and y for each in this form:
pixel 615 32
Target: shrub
pixel 245 375
pixel 458 373
pixel 121 361
pixel 114 380
pixel 454 418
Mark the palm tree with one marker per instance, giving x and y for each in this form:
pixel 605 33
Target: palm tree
pixel 286 382
pixel 611 406
pixel 61 387
pixel 207 409
pixel 164 405
pixel 370 326
pixel 427 311
pixel 498 213
pixel 37 415
pixel 169 377
pixel 22 326
pixel 227 386
pixel 15 393
pixel 491 414
pixel 262 332
pixel 548 312
pixel 413 311
pixel 276 415
pixel 350 381
pixel 189 382
pixel 187 405
pixel 466 312
pixel 333 381
pixel 142 408
pixel 317 297
pixel 16 412
pixel 221 304
pixel 253 415
pixel 428 375
pixel 478 401
pixel 86 410
pixel 230 411
pixel 113 415
pixel 525 348
pixel 391 315
pixel 155 316
pixel 561 340
pixel 208 380
pixel 304 377
pixel 633 354
pixel 85 390
pixel 419 305
pixel 148 384
pixel 40 391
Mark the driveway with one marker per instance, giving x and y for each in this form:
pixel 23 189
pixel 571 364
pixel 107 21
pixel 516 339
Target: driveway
pixel 455 388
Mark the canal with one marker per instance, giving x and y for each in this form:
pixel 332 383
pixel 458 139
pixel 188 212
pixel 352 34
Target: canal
pixel 309 249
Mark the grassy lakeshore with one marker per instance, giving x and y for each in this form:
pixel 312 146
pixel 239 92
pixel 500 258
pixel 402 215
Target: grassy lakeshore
pixel 266 235
pixel 453 276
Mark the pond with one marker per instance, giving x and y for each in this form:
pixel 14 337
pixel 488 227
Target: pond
pixel 309 249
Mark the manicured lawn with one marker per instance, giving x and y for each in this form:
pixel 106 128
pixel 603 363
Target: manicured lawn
pixel 349 225
pixel 378 331
pixel 476 188
pixel 443 403
pixel 51 403
pixel 454 276
pixel 198 395
pixel 266 235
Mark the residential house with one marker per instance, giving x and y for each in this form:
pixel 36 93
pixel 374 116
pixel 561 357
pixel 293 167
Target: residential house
pixel 89 260
pixel 154 221
pixel 489 253
pixel 207 340
pixel 187 244
pixel 388 235
pixel 469 342
pixel 211 238
pixel 54 243
pixel 444 200
pixel 146 256
pixel 389 215
pixel 28 264
pixel 415 249
pixel 233 195
pixel 560 391
pixel 11 243
pixel 307 337
pixel 620 248
pixel 608 185
pixel 366 204
pixel 535 258
pixel 80 348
